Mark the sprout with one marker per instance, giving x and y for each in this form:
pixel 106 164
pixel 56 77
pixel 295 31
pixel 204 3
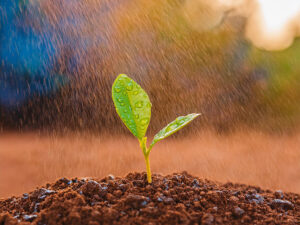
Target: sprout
pixel 134 108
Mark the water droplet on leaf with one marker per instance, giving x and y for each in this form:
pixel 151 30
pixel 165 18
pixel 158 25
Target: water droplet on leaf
pixel 129 86
pixel 144 121
pixel 139 104
pixel 117 89
pixel 179 121
pixel 168 128
pixel 171 127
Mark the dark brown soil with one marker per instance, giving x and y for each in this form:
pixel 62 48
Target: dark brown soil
pixel 173 199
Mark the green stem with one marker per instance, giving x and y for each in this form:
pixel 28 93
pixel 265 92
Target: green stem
pixel 148 169
pixel 146 153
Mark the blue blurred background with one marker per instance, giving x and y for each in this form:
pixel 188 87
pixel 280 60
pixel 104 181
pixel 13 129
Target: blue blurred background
pixel 28 54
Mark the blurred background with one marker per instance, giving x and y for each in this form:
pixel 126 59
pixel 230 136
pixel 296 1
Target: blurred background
pixel 236 62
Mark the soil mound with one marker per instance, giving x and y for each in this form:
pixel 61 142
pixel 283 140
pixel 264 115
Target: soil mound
pixel 173 199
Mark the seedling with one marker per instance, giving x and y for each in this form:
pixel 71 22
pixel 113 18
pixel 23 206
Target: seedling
pixel 134 108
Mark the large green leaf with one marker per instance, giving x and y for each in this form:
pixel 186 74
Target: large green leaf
pixel 172 127
pixel 132 104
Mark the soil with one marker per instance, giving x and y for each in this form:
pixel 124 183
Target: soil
pixel 174 199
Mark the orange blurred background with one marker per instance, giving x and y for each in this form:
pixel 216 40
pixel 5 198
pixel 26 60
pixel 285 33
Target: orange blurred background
pixel 31 160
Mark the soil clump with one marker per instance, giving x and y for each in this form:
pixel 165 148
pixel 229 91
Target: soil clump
pixel 173 199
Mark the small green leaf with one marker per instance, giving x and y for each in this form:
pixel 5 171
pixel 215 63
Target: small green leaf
pixel 172 127
pixel 132 105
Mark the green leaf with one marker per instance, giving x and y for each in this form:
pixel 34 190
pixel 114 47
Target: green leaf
pixel 172 127
pixel 132 105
